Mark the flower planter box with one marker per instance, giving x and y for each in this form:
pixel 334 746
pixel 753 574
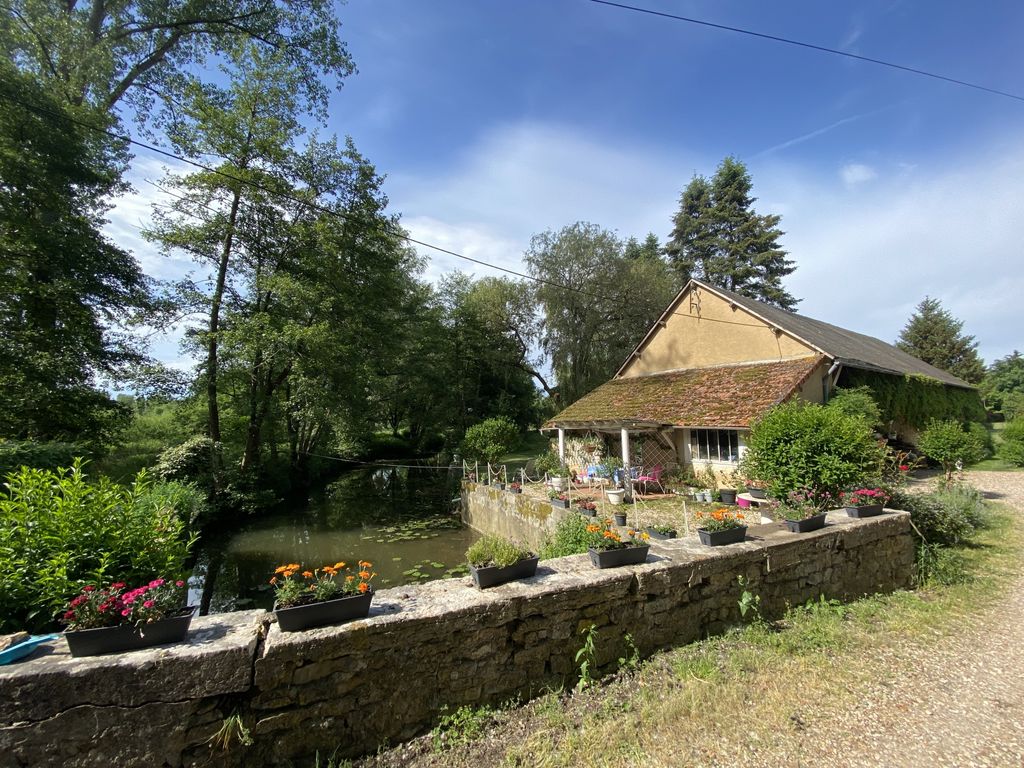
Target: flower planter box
pixel 620 519
pixel 560 503
pixel 588 512
pixel 492 575
pixel 324 613
pixel 757 493
pixel 806 525
pixel 728 495
pixel 613 558
pixel 128 637
pixel 658 535
pixel 719 538
pixel 868 510
pixel 500 486
pixel 514 490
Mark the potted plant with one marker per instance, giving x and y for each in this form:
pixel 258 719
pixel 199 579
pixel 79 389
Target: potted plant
pixel 549 463
pixel 727 495
pixel 661 532
pixel 494 560
pixel 757 489
pixel 115 618
pixel 616 495
pixel 804 511
pixel 558 499
pixel 515 488
pixel 499 485
pixel 865 502
pixel 591 444
pixel 609 549
pixel 587 507
pixel 721 527
pixel 328 595
pixel 619 517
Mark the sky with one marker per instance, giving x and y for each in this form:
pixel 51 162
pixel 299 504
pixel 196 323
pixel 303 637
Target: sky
pixel 497 120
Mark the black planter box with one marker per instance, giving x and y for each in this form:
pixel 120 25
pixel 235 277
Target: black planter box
pixel 718 538
pixel 560 503
pixel 620 519
pixel 325 612
pixel 588 512
pixel 613 558
pixel 514 490
pixel 500 486
pixel 660 536
pixel 128 637
pixel 806 525
pixel 728 495
pixel 868 510
pixel 757 493
pixel 492 575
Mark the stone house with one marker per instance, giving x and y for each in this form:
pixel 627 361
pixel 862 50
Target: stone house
pixel 715 362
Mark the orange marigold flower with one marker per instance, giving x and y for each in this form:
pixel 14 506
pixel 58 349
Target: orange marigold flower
pixel 307 574
pixel 593 528
pixel 350 578
pixel 273 579
pixel 364 587
pixel 281 569
pixel 364 575
pixel 339 565
pixel 739 516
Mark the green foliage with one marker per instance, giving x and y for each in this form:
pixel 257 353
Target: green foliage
pixel 59 532
pixel 808 447
pixel 463 726
pixel 947 517
pixel 549 463
pixel 1012 447
pixel 749 602
pixel 951 445
pixel 496 550
pixel 858 402
pixel 570 538
pixel 913 400
pixel 718 237
pixel 490 440
pixel 15 454
pixel 1003 385
pixel 937 565
pixel 616 294
pixel 934 335
pixel 586 657
pixel 154 427
pixel 192 460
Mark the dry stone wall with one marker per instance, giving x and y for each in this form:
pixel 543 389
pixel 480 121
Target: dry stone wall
pixel 344 690
pixel 515 516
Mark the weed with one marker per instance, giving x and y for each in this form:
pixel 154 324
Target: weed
pixel 231 729
pixel 632 658
pixel 749 602
pixel 938 565
pixel 464 725
pixel 585 656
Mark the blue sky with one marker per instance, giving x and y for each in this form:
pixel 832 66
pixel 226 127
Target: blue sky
pixel 497 120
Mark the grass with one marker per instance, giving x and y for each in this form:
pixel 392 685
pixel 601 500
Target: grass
pixel 531 445
pixel 754 688
pixel 995 430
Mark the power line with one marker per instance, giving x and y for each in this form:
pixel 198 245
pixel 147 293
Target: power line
pixel 810 46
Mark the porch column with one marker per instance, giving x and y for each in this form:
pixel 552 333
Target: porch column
pixel 561 444
pixel 625 449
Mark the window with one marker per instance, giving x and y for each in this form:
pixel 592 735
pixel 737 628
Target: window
pixel 715 445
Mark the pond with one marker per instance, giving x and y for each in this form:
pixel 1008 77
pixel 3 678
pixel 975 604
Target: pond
pixel 404 520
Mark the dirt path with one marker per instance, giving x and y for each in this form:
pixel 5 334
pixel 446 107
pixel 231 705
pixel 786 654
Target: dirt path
pixel 958 702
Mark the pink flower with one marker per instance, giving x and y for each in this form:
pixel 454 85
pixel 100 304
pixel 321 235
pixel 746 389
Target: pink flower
pixel 118 585
pixel 156 583
pixel 179 583
pixel 89 588
pixel 126 611
pixel 904 467
pixel 148 604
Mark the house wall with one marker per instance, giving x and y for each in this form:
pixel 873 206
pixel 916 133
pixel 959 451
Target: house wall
pixel 714 334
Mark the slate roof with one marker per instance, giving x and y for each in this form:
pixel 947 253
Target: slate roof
pixel 721 396
pixel 847 347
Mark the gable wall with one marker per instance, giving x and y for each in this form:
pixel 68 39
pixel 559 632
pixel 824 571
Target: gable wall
pixel 694 338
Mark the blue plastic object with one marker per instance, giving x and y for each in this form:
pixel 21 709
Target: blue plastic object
pixel 24 648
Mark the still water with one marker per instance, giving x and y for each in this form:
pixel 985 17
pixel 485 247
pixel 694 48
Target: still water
pixel 404 521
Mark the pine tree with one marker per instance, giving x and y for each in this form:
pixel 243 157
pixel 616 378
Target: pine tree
pixel 934 335
pixel 718 237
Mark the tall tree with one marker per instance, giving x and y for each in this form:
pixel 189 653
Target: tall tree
pixel 597 302
pixel 932 334
pixel 1003 385
pixel 64 287
pixel 719 238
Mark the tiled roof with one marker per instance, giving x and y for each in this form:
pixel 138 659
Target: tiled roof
pixel 722 396
pixel 855 350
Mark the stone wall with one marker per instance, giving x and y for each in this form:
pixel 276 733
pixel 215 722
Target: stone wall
pixel 344 690
pixel 516 516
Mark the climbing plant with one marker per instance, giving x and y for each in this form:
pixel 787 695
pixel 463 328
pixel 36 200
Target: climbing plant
pixel 914 400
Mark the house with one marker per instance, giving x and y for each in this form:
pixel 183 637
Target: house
pixel 715 362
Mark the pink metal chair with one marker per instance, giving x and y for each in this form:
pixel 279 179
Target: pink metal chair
pixel 652 478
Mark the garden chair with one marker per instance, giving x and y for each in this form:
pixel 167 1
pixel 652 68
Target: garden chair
pixel 651 478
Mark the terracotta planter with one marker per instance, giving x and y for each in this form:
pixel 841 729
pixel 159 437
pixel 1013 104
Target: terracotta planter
pixel 613 558
pixel 719 538
pixel 128 637
pixel 868 510
pixel 324 613
pixel 491 575
pixel 806 525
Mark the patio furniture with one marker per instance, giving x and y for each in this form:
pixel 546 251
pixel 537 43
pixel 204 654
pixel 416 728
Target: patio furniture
pixel 651 478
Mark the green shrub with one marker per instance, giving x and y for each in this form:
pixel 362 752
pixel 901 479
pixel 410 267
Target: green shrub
pixel 950 444
pixel 15 454
pixel 490 440
pixel 859 402
pixel 496 550
pixel 984 438
pixel 947 517
pixel 570 538
pixel 59 532
pixel 1012 448
pixel 190 461
pixel 804 446
pixel 549 462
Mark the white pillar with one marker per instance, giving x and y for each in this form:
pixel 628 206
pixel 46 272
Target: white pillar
pixel 561 444
pixel 625 449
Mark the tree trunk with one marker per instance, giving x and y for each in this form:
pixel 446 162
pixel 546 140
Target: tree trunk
pixel 213 411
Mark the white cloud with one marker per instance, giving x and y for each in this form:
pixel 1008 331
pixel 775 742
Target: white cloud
pixel 857 173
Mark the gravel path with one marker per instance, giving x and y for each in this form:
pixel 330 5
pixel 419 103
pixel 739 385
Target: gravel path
pixel 957 702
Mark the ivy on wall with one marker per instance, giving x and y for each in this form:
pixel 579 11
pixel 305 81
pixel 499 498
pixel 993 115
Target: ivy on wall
pixel 913 399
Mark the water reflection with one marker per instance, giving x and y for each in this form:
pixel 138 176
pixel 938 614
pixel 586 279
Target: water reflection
pixel 400 519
